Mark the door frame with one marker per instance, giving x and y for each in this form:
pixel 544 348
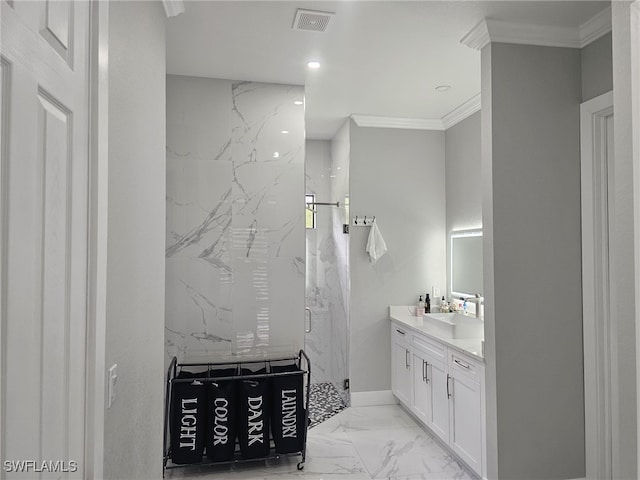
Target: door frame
pixel 97 238
pixel 597 284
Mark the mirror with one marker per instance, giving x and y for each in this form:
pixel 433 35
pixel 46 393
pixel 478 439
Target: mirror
pixel 466 263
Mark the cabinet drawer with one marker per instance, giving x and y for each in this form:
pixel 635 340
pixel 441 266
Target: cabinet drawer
pixel 432 348
pixel 463 365
pixel 400 334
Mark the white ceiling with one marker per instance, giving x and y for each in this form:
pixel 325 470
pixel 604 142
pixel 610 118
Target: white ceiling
pixel 381 58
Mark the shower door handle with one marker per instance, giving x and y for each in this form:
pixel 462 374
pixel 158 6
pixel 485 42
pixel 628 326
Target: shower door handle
pixel 308 310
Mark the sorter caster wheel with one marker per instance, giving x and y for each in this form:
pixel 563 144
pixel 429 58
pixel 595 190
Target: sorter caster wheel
pixel 300 465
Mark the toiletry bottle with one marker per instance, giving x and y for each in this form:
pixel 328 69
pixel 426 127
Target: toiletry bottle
pixel 427 304
pixel 420 308
pixel 464 306
pixel 444 306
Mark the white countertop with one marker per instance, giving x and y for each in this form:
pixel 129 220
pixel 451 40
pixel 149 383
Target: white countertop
pixel 404 316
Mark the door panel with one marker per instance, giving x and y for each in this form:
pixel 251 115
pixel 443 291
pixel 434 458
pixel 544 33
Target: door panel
pixel 421 390
pixel 466 429
pixel 439 421
pixel 403 375
pixel 58 27
pixel 44 234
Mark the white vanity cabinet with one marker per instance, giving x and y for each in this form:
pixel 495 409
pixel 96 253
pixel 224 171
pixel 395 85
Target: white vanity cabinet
pixel 465 399
pixel 430 403
pixel 401 376
pixel 442 387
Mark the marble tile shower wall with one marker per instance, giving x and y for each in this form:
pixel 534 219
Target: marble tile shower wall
pixel 235 259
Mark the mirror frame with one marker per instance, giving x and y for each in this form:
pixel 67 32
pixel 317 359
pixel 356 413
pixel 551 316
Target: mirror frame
pixel 476 232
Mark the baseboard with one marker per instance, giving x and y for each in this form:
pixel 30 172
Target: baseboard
pixel 368 399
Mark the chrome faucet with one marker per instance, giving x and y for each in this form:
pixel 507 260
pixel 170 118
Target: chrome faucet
pixel 478 300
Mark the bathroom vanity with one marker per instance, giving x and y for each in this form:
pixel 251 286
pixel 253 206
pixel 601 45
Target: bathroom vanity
pixel 437 373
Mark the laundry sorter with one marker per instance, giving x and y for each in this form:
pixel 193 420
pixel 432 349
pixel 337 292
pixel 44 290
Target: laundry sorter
pixel 226 412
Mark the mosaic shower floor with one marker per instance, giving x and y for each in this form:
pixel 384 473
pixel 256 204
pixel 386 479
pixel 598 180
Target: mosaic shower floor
pixel 324 402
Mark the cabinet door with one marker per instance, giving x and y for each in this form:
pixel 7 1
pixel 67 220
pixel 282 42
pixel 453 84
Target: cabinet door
pixel 421 405
pixel 466 426
pixel 402 372
pixel 439 415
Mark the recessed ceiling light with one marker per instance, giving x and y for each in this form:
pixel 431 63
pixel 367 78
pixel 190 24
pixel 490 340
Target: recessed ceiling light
pixel 298 102
pixel 276 154
pixel 313 65
pixel 443 88
pixel 284 131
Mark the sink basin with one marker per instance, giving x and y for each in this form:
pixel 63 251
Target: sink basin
pixel 454 325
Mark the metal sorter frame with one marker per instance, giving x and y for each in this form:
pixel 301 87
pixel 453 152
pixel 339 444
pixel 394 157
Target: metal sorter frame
pixel 172 373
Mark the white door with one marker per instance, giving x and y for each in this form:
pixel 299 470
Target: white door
pixel 44 134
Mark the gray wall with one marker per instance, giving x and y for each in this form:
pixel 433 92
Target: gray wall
pixel 597 68
pixel 463 178
pixel 623 276
pixel 136 223
pixel 533 309
pixel 398 176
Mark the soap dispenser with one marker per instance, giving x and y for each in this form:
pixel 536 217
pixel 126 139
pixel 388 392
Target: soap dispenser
pixel 427 304
pixel 444 306
pixel 420 308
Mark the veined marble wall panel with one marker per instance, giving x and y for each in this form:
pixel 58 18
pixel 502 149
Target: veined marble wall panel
pixel 235 218
pixel 268 217
pixel 198 258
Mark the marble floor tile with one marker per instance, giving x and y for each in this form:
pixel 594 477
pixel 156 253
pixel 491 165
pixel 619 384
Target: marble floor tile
pixel 400 452
pixel 375 418
pixel 362 443
pixel 457 475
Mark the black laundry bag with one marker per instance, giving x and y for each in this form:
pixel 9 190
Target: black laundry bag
pixel 188 419
pixel 287 409
pixel 253 416
pixel 222 410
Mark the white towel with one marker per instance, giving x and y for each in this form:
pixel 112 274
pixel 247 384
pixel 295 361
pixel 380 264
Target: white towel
pixel 375 245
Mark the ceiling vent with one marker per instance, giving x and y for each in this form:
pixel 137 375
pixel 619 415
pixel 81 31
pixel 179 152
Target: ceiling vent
pixel 311 20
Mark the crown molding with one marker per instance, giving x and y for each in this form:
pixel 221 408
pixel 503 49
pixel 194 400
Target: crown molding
pixel 478 36
pixel 173 8
pixel 396 122
pixel 463 111
pixel 595 27
pixel 452 118
pixel 497 31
